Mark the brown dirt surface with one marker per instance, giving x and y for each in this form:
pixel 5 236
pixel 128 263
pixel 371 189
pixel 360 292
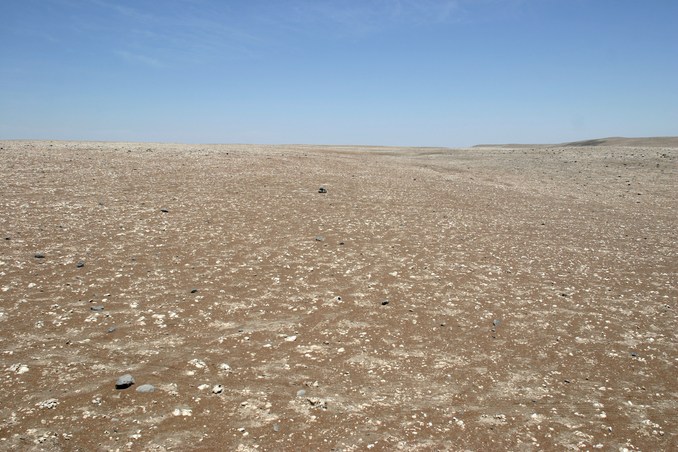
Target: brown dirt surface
pixel 431 299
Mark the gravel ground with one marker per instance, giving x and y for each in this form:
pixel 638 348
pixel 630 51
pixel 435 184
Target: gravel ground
pixel 429 299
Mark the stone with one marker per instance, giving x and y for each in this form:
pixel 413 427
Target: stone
pixel 19 368
pixel 384 303
pixel 39 255
pixel 97 308
pixel 291 338
pixel 124 382
pixel 319 238
pixel 164 210
pixel 48 404
pixel 111 329
pixel 322 190
pixel 146 388
pixel 80 264
pixel 182 412
pixel 194 290
pixel 224 367
pixel 217 389
pixel 276 427
pixel 301 393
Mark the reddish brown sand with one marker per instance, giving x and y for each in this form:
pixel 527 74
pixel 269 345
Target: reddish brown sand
pixel 532 297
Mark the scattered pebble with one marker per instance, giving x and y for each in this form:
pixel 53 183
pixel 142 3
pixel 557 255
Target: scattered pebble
pixel 276 427
pixel 182 412
pixel 198 363
pixel 224 367
pixel 384 303
pixel 301 393
pixel 164 210
pixel 319 238
pixel 111 329
pixel 124 382
pixel 291 338
pixel 322 190
pixel 48 404
pixel 217 389
pixel 194 290
pixel 39 255
pixel 97 308
pixel 80 264
pixel 18 368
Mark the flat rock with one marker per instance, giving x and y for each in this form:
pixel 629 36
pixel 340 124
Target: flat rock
pixel 146 388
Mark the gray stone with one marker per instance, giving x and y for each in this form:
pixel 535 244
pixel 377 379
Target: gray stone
pixel 39 255
pixel 97 308
pixel 146 388
pixel 80 264
pixel 319 238
pixel 124 382
pixel 301 393
pixel 276 427
pixel 111 329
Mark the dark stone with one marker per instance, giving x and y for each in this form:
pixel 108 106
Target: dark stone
pixel 322 190
pixel 124 382
pixel 319 238
pixel 194 290
pixel 384 303
pixel 634 354
pixel 164 210
pixel 80 264
pixel 98 308
pixel 39 255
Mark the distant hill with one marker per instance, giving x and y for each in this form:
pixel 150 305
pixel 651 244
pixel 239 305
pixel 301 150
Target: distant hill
pixel 664 142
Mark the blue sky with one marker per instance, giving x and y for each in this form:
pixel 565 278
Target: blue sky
pixel 391 72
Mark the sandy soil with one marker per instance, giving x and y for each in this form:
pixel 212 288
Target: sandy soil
pixel 432 299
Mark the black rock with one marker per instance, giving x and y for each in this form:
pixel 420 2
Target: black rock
pixel 111 329
pixel 39 255
pixel 322 190
pixel 80 264
pixel 164 210
pixel 319 238
pixel 384 303
pixel 194 290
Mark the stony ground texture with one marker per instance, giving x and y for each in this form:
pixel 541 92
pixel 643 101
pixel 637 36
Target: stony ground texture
pixel 432 299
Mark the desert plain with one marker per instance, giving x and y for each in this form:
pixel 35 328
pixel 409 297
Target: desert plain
pixel 494 298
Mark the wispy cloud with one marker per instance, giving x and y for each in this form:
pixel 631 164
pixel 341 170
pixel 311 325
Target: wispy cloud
pixel 365 17
pixel 138 58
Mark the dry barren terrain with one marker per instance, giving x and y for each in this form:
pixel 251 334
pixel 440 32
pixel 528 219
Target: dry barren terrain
pixel 431 299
